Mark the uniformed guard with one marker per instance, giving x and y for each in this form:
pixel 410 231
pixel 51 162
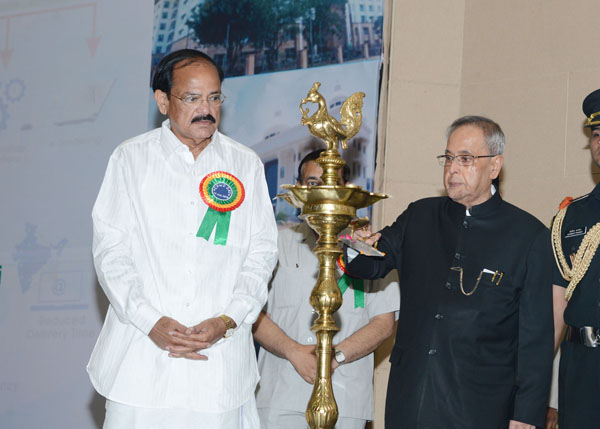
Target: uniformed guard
pixel 575 239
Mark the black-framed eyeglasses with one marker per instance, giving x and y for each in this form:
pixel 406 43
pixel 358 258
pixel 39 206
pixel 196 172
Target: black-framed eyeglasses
pixel 194 100
pixel 463 160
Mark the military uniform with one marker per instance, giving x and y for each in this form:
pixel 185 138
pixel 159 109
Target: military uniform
pixel 579 374
pixel 473 349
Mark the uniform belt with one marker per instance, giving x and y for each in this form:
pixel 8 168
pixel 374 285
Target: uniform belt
pixel 588 336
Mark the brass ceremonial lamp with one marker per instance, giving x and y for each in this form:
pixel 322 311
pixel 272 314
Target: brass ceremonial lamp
pixel 328 209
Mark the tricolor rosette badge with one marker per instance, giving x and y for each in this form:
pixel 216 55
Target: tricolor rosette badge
pixel 222 192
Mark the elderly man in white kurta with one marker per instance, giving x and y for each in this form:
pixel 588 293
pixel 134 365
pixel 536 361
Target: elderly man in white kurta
pixel 184 245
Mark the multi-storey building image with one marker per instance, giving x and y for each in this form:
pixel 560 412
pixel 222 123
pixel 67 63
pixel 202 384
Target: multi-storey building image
pixel 165 18
pixel 363 22
pixel 361 37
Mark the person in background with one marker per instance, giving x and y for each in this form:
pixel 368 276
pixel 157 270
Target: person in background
pixel 287 360
pixel 575 239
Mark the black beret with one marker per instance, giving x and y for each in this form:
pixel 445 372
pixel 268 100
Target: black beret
pixel 591 108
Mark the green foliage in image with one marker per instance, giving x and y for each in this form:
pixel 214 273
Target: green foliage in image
pixel 264 25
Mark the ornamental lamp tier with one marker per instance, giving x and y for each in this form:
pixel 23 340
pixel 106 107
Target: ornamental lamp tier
pixel 328 209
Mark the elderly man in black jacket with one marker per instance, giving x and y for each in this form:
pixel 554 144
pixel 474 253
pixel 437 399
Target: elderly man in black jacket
pixel 474 345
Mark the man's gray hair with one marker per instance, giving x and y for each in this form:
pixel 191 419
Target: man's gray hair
pixel 492 132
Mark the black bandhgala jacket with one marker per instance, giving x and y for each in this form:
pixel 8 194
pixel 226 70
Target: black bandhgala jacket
pixel 467 361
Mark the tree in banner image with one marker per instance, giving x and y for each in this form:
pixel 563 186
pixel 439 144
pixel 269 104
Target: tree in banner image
pixel 235 24
pixel 263 26
pixel 328 25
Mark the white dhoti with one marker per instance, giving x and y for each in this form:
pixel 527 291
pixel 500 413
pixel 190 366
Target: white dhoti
pixel 121 416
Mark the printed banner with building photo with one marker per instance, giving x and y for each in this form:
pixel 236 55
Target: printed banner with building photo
pixel 272 53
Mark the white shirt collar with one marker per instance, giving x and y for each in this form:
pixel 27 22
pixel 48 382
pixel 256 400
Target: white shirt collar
pixel 170 143
pixel 492 188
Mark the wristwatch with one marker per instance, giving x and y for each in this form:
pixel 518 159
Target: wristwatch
pixel 340 357
pixel 229 325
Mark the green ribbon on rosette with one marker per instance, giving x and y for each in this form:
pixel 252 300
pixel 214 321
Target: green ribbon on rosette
pixel 357 284
pixel 359 289
pixel 211 219
pixel 222 192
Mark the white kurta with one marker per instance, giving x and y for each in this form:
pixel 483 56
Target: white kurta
pixel 150 263
pixel 296 273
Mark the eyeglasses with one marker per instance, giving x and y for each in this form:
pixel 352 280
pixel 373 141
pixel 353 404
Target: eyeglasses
pixel 195 100
pixel 463 160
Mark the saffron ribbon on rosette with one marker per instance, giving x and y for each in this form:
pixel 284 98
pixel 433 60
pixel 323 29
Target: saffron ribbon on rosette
pixel 222 192
pixel 357 284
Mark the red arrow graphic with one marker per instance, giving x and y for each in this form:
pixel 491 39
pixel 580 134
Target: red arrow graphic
pixel 6 53
pixel 93 41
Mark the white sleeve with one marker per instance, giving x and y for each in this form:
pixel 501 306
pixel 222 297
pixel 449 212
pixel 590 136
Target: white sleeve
pixel 250 291
pixel 383 296
pixel 113 220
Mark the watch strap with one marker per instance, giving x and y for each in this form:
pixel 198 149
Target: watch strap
pixel 229 325
pixel 340 357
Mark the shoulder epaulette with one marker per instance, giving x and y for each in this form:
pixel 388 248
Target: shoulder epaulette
pixel 569 200
pixel 564 203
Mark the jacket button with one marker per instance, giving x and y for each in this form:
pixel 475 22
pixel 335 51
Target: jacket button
pixel 439 316
pixel 448 285
pixel 465 224
pixel 432 352
pixel 457 255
